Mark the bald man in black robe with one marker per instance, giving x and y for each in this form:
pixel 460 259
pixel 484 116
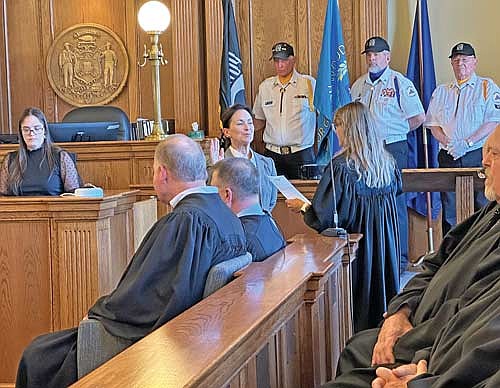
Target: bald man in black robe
pixel 466 351
pixel 467 256
pixel 167 273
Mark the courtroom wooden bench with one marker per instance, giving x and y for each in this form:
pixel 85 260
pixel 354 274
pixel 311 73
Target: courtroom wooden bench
pixel 279 322
pixel 58 255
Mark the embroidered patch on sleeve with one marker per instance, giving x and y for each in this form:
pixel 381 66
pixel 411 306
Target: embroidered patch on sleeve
pixel 411 91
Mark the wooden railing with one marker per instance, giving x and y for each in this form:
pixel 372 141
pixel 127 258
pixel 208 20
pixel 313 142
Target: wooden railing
pixel 280 323
pixel 460 180
pixel 463 181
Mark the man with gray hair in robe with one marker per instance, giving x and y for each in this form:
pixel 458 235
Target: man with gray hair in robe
pixel 165 276
pixel 238 182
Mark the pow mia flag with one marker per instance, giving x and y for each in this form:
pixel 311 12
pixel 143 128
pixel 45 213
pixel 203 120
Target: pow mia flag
pixel 232 86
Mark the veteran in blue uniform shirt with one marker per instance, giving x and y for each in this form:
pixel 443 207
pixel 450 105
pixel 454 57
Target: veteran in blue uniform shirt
pixel 284 109
pixel 393 100
pixel 461 115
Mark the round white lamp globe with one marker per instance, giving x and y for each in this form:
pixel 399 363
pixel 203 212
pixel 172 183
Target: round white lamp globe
pixel 154 16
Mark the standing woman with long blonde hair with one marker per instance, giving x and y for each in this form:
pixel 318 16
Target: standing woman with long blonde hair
pixel 366 184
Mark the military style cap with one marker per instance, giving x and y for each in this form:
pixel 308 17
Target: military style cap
pixel 462 49
pixel 376 44
pixel 282 50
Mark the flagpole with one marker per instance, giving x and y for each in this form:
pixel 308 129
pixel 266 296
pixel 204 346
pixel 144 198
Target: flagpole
pixel 430 237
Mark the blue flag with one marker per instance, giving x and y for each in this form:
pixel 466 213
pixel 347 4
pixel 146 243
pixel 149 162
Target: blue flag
pixel 421 72
pixel 332 86
pixel 232 86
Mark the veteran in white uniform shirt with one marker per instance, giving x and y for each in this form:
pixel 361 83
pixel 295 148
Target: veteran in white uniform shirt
pixel 461 115
pixel 284 109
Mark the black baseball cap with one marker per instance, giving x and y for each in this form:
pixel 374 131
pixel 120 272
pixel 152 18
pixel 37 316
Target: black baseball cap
pixel 462 49
pixel 282 50
pixel 376 44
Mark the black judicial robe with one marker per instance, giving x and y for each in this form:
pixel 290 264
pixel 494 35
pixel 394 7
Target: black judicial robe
pixel 262 235
pixel 372 212
pixel 466 352
pixel 467 261
pixel 165 277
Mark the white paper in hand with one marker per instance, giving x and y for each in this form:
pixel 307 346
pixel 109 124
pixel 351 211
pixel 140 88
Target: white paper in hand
pixel 288 190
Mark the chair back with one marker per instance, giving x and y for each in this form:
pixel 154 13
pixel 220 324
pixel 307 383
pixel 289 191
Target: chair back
pixel 222 273
pixel 95 346
pixel 101 113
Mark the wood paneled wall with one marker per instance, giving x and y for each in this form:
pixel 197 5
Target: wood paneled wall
pixel 192 45
pixel 29 28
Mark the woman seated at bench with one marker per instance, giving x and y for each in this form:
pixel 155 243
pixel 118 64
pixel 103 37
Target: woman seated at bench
pixel 38 167
pixel 366 183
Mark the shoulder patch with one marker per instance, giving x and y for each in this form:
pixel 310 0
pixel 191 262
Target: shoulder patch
pixel 496 100
pixel 411 91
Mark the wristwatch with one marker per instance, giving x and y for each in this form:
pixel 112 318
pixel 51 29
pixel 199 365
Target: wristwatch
pixel 470 143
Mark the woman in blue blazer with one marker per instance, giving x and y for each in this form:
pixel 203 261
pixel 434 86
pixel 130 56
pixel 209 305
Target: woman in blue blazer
pixel 237 123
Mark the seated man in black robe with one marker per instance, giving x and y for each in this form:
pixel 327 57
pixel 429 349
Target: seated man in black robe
pixel 468 254
pixel 466 351
pixel 238 182
pixel 167 273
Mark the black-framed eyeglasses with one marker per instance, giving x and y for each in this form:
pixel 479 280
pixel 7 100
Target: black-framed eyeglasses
pixel 35 130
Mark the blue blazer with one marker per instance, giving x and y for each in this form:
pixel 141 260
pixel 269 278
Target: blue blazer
pixel 268 193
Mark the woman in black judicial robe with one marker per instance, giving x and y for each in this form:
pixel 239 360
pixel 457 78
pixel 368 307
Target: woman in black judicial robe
pixel 366 184
pixel 38 167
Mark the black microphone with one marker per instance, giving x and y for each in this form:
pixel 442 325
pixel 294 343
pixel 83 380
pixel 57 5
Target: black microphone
pixel 335 230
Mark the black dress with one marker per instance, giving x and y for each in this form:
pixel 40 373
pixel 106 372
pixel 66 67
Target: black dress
pixel 372 212
pixel 39 179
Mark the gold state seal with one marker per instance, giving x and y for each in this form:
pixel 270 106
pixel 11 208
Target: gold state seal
pixel 87 64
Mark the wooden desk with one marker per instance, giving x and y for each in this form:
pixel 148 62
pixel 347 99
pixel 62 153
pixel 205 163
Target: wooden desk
pixel 57 256
pixel 278 323
pixel 112 165
pixel 109 164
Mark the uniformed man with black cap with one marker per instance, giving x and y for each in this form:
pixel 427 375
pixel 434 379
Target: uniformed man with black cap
pixel 284 109
pixel 461 115
pixel 393 100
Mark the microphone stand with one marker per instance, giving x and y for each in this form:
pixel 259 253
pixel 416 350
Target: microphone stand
pixel 335 230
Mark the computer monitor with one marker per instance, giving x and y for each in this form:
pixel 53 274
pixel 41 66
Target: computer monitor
pixel 8 138
pixel 95 131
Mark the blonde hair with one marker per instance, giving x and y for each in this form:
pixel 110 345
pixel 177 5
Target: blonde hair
pixel 363 148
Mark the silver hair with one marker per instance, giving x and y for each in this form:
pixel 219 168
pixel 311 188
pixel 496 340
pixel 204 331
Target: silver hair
pixel 183 157
pixel 240 175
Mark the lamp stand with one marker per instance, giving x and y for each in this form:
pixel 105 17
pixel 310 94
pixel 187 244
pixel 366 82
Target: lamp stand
pixel 155 57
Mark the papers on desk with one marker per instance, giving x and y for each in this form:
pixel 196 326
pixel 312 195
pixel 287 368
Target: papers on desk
pixel 288 190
